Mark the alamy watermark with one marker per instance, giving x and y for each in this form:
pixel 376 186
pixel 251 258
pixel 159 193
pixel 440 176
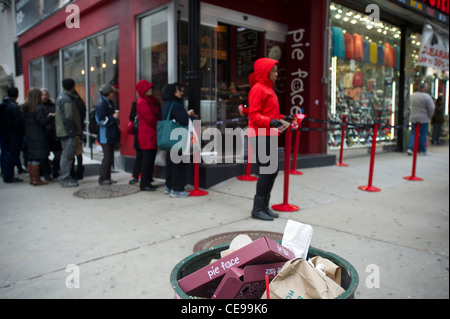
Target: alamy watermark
pixel 73 280
pixel 73 19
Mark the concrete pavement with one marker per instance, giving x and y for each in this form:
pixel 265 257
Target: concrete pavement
pixel 126 247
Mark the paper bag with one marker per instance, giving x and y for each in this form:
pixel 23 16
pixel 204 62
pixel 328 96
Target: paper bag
pixel 299 279
pixel 330 269
pixel 297 238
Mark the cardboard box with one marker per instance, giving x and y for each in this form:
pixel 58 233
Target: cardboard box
pixel 246 283
pixel 204 282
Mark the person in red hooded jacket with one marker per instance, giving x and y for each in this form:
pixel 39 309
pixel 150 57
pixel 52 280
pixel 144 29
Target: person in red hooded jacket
pixel 149 113
pixel 265 125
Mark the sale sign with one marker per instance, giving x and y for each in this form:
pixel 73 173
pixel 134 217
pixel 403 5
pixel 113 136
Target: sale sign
pixel 434 50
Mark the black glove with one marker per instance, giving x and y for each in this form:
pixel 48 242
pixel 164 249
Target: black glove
pixel 289 118
pixel 275 123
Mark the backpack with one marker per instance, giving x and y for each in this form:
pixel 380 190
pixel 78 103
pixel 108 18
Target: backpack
pixel 93 125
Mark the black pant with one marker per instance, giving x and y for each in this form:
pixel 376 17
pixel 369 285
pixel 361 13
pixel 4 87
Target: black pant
pixel 137 163
pixel 266 152
pixel 13 146
pixel 107 162
pixel 175 175
pixel 148 162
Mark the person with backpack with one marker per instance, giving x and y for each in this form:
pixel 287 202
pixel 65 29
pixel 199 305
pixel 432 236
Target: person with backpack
pixel 68 127
pixel 12 132
pixel 109 132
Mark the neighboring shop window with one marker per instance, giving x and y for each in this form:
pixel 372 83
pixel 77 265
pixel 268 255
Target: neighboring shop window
pixel 103 64
pixel 36 74
pixel 73 63
pixel 153 49
pixel 365 63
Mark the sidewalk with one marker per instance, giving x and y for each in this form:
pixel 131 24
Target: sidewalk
pixel 126 247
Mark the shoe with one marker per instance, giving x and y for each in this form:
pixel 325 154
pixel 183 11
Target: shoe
pixel 133 181
pixel 175 194
pixel 35 175
pixel 150 188
pixel 267 209
pixel 14 180
pixel 258 211
pixel 106 182
pixel 425 153
pixel 69 183
pixel 167 190
pixel 410 152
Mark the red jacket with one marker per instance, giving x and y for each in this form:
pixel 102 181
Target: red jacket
pixel 263 102
pixel 149 113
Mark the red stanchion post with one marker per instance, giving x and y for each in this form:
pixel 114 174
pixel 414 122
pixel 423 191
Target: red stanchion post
pixel 197 192
pixel 294 170
pixel 413 177
pixel 370 188
pixel 341 154
pixel 286 207
pixel 247 177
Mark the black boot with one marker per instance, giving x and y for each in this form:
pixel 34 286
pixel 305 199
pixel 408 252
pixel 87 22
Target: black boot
pixel 267 208
pixel 258 211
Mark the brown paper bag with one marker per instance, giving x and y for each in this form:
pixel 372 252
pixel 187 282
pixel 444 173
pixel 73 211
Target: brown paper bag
pixel 78 146
pixel 332 270
pixel 298 279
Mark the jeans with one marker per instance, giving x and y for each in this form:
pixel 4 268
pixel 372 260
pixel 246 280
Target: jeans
pixel 266 157
pixel 175 175
pixel 107 162
pixel 422 139
pixel 67 157
pixel 148 162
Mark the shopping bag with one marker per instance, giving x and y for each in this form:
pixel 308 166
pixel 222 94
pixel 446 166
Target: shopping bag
pixel 169 133
pixel 299 279
pixel 192 143
pixel 297 238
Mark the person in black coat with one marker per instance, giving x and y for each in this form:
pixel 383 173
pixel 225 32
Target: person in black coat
pixel 138 161
pixel 12 133
pixel 52 168
pixel 36 119
pixel 172 96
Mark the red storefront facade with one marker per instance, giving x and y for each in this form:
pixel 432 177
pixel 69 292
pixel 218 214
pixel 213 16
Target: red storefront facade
pixel 120 42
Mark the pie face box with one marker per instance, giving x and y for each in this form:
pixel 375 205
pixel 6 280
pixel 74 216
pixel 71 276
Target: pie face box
pixel 204 282
pixel 246 283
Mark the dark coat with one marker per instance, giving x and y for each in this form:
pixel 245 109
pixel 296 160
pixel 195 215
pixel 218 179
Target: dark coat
pixel 36 133
pixel 109 131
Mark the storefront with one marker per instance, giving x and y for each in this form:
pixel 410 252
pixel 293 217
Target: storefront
pixel 120 42
pixel 375 66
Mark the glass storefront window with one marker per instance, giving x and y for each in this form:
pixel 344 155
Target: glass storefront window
pixel 153 49
pixel 73 63
pixel 103 64
pixel 36 75
pixel 365 63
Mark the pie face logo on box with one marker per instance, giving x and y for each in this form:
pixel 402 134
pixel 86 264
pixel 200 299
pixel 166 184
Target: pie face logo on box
pixel 225 265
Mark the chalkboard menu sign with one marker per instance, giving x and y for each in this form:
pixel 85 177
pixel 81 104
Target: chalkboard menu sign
pixel 247 48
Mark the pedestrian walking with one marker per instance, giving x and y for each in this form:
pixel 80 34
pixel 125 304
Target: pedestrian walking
pixel 36 119
pixel 422 110
pixel 438 121
pixel 149 113
pixel 109 132
pixel 265 126
pixel 68 127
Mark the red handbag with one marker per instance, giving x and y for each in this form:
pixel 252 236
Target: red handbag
pixel 130 128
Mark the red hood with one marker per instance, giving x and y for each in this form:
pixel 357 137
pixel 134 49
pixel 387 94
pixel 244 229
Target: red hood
pixel 143 86
pixel 262 69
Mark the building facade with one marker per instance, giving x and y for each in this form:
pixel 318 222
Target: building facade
pixel 119 42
